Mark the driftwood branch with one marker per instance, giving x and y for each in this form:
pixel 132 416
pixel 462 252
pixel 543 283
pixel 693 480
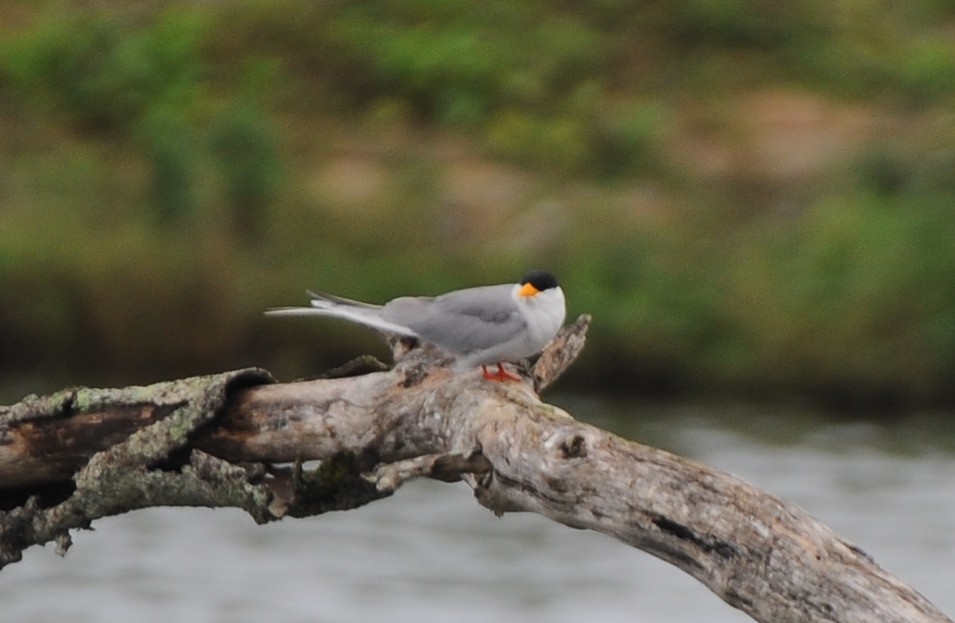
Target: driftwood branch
pixel 241 440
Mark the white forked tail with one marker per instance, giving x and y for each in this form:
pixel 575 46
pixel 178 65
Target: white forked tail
pixel 334 307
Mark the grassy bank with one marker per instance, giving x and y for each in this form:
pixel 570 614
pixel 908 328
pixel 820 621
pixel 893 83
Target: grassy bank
pixel 748 199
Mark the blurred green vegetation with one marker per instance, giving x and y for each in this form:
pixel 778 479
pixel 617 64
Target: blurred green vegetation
pixel 750 197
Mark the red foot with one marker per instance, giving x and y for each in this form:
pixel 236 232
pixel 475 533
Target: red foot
pixel 500 375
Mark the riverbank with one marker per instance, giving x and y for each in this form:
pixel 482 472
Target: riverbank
pixel 741 213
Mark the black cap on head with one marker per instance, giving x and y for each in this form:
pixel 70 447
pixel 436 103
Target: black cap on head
pixel 540 279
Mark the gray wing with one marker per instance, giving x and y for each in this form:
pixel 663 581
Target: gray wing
pixel 463 321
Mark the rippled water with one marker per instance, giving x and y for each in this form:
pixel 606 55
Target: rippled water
pixel 430 553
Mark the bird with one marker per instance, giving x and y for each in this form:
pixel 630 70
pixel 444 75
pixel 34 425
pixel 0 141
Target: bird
pixel 478 326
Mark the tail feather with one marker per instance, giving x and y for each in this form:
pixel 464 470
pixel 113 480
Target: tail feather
pixel 320 299
pixel 337 307
pixel 296 311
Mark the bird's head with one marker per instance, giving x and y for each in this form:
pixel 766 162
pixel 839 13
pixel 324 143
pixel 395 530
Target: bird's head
pixel 536 282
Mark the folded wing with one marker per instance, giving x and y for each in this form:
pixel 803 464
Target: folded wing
pixel 464 321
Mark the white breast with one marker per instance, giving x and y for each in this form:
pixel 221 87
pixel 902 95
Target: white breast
pixel 545 315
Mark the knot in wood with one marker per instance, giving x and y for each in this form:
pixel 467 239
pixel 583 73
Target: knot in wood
pixel 569 443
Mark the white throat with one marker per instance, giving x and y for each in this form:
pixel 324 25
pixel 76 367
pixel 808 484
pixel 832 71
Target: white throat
pixel 544 313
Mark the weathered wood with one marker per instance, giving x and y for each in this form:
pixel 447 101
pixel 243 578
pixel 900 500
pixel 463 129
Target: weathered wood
pixel 372 432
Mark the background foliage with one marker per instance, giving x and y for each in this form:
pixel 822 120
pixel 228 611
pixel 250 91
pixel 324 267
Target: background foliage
pixel 751 198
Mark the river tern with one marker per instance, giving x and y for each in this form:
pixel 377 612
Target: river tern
pixel 478 326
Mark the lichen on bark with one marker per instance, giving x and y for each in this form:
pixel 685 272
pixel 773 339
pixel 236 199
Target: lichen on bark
pixel 155 466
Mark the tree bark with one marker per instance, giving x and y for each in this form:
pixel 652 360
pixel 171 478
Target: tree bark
pixel 238 439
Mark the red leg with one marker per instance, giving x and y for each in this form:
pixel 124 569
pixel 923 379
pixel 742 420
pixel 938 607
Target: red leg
pixel 500 375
